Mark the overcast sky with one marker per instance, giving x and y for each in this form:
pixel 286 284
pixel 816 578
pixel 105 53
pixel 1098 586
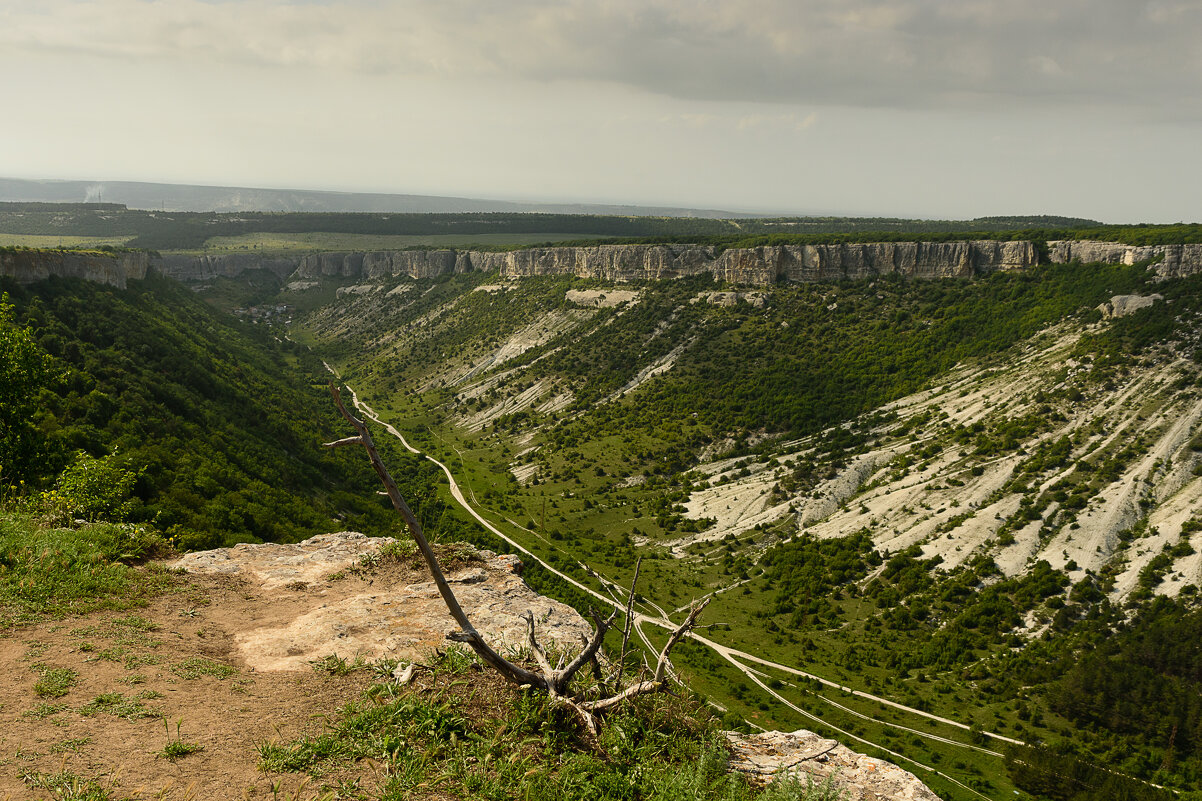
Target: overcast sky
pixel 918 108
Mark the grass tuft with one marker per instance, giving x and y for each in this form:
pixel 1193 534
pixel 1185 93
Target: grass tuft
pixel 42 711
pixel 117 705
pixel 177 747
pixel 53 572
pixel 334 665
pixel 55 682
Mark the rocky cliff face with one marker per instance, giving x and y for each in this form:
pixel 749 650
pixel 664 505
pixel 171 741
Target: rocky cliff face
pixel 760 266
pixel 1176 261
pixel 27 266
pixel 205 268
pixel 767 265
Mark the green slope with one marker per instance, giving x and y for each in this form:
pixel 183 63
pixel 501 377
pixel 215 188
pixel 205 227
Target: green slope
pixel 220 421
pixel 589 434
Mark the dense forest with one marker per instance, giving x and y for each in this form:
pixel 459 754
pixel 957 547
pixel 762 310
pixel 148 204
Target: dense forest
pixel 206 428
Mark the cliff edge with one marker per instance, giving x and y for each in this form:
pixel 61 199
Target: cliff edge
pixel 114 269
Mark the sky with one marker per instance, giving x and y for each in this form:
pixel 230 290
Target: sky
pixel 914 108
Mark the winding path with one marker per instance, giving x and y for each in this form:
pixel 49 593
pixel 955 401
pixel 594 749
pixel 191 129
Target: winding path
pixel 736 657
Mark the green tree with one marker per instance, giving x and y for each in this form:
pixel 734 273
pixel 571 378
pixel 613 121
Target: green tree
pixel 24 369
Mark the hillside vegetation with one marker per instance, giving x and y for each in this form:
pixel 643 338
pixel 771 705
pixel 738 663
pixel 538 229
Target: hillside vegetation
pixel 939 493
pixel 952 523
pixel 145 405
pixel 330 231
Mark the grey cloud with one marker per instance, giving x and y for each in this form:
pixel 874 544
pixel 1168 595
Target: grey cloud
pixel 1133 54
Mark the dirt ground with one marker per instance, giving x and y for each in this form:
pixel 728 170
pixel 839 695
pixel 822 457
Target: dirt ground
pixel 172 662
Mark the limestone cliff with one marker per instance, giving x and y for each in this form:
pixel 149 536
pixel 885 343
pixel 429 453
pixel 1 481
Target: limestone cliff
pixel 27 266
pixel 760 266
pixel 229 265
pixel 1176 261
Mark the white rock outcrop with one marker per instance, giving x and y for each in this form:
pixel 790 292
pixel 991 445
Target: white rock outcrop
pixel 769 755
pixel 1122 305
pixel 400 622
pixel 1175 261
pixel 28 266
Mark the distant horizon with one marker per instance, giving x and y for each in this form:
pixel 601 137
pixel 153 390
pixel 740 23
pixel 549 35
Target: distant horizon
pixel 588 206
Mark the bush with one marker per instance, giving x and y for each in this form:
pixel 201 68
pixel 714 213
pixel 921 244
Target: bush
pixel 94 489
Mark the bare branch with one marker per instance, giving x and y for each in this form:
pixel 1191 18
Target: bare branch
pixel 598 675
pixel 586 717
pixel 540 654
pixel 469 635
pixel 642 688
pixel 657 682
pixel 662 665
pixel 590 649
pixel 628 621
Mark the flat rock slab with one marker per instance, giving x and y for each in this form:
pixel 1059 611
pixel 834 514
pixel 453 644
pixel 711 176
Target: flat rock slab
pixel 601 298
pixel 325 615
pixel 768 755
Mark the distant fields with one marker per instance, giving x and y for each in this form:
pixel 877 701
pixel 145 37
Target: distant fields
pixel 317 240
pixel 56 241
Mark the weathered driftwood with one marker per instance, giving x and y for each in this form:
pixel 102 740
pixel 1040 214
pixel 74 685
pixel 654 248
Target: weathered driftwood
pixel 556 682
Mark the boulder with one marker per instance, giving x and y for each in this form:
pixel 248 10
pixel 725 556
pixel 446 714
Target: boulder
pixel 766 756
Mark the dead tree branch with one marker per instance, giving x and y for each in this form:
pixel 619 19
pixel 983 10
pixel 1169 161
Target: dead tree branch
pixel 629 621
pixel 657 681
pixel 468 634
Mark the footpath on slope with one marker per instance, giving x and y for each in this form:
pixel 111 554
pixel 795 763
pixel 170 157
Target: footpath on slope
pixel 732 655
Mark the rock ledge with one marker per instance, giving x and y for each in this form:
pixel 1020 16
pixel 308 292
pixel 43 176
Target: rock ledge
pixel 321 614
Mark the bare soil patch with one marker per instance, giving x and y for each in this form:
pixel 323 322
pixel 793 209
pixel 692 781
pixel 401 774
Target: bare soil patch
pixel 99 696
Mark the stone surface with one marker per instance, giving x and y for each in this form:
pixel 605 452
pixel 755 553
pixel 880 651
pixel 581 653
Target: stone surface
pixel 601 298
pixel 757 299
pixel 357 289
pixel 762 266
pixel 1122 305
pixel 768 755
pixel 301 286
pixel 1176 261
pixel 400 622
pixel 311 613
pixel 229 265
